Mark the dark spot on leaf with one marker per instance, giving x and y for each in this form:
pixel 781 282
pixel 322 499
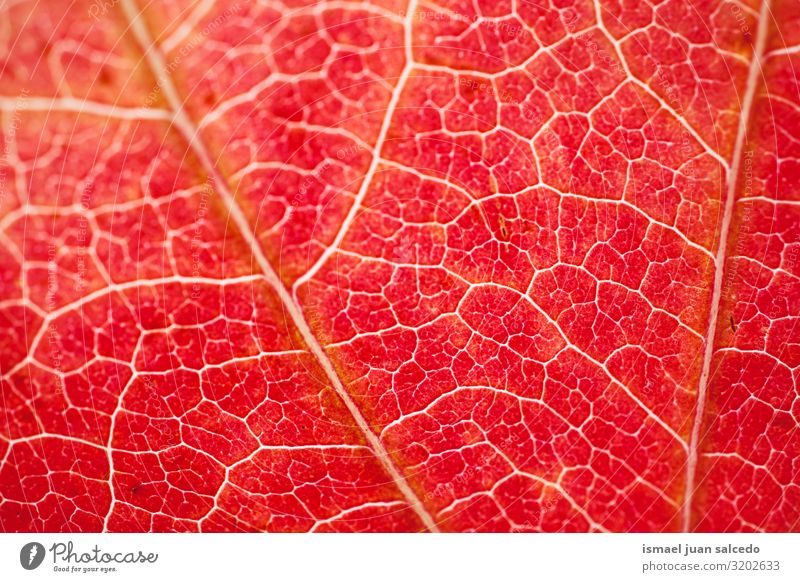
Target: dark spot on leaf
pixel 503 229
pixel 104 77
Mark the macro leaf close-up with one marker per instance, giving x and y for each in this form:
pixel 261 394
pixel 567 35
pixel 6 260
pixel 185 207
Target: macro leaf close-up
pixel 389 266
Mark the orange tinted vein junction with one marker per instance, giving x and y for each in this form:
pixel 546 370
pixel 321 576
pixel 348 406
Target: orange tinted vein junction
pixel 376 151
pixel 753 79
pixel 187 128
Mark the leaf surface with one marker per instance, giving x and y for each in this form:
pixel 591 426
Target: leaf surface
pixel 345 266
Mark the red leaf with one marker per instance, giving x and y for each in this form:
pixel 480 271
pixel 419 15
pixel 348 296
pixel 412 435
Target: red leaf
pixel 383 267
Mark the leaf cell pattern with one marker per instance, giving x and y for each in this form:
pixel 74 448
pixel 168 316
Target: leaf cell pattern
pixel 380 265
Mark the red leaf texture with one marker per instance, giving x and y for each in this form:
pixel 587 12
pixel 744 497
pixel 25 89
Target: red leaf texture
pixel 377 266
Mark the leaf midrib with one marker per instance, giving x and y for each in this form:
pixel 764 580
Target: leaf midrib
pixel 751 85
pixel 189 131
